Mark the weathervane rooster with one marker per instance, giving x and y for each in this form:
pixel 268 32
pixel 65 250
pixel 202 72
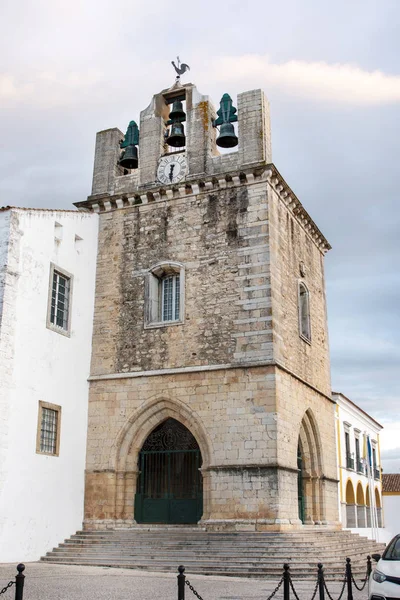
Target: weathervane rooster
pixel 180 69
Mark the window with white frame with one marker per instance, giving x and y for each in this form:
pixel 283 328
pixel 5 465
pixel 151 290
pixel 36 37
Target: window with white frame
pixel 59 308
pixel 48 432
pixel 304 312
pixel 165 289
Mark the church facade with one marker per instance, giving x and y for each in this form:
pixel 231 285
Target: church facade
pixel 210 398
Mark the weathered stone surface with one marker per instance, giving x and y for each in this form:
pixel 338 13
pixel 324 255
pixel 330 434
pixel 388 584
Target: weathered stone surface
pixel 234 370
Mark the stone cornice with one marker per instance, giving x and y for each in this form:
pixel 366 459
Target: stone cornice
pixel 202 368
pixel 206 184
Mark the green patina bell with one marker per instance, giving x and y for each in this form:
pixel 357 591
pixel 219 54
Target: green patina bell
pixel 177 113
pixel 226 116
pixel 227 137
pixel 129 157
pixel 176 137
pixel 131 136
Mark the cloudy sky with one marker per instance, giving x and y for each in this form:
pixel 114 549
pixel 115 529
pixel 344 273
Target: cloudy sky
pixel 332 74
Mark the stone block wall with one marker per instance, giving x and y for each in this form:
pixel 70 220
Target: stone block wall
pixel 248 442
pixel 293 249
pixel 222 241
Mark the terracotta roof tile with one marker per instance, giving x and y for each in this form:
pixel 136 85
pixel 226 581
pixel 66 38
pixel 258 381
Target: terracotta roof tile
pixel 391 482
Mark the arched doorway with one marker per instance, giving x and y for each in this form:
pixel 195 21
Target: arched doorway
pixel 351 513
pixel 309 482
pixel 361 515
pixel 169 487
pixel 300 485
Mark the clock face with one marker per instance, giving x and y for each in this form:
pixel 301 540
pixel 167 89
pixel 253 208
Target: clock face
pixel 172 169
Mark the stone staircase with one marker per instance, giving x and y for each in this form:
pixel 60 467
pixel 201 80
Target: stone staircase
pixel 236 554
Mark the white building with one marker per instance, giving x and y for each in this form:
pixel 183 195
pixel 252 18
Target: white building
pixel 360 495
pixel 391 502
pixel 47 278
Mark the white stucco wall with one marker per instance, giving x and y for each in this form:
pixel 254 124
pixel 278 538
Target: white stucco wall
pixel 41 499
pixel 391 507
pixel 6 346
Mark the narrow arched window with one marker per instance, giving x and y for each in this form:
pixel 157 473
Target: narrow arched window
pixel 304 312
pixel 165 294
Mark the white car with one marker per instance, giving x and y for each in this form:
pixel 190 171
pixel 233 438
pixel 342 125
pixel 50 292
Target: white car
pixel 384 581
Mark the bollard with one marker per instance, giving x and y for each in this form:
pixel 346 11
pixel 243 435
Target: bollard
pixel 321 581
pixel 181 582
pixel 19 582
pixel 286 582
pixel 349 579
pixel 369 566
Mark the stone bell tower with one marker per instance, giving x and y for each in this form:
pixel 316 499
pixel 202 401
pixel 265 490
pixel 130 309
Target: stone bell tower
pixel 210 396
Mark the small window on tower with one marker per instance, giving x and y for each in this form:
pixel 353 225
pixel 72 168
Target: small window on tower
pixel 304 313
pixel 164 295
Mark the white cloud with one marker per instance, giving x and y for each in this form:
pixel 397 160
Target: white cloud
pixel 7 87
pixel 339 83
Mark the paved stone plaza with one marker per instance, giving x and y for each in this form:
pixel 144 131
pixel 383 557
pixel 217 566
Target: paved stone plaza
pixel 61 582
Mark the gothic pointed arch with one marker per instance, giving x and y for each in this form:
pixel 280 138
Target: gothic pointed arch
pixel 310 451
pixel 145 419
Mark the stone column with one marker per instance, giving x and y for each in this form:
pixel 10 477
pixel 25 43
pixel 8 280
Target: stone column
pixel 254 128
pixel 106 160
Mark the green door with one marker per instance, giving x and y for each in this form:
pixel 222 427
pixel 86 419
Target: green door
pixel 169 486
pixel 300 485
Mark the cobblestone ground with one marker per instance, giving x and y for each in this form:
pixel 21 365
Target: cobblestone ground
pixel 61 582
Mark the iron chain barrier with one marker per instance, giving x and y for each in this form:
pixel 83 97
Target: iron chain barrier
pixel 288 585
pixel 19 583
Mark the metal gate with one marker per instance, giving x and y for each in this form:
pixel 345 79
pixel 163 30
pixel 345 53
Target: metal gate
pixel 170 484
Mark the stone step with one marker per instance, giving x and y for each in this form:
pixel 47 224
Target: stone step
pixel 222 570
pixel 202 533
pixel 210 541
pixel 218 553
pixel 228 553
pixel 262 551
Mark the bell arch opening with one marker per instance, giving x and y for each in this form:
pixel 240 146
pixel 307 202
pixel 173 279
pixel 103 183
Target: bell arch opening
pixel 169 486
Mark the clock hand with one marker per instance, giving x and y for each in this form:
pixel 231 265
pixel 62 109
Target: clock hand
pixel 171 173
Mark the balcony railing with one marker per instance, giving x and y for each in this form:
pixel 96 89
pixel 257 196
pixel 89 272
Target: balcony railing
pixel 360 467
pixel 349 462
pixel 377 474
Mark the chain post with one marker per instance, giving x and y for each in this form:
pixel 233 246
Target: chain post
pixel 286 582
pixel 369 566
pixel 349 579
pixel 181 582
pixel 321 581
pixel 19 582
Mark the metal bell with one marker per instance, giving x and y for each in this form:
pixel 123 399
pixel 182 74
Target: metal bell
pixel 176 137
pixel 227 137
pixel 129 159
pixel 177 113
